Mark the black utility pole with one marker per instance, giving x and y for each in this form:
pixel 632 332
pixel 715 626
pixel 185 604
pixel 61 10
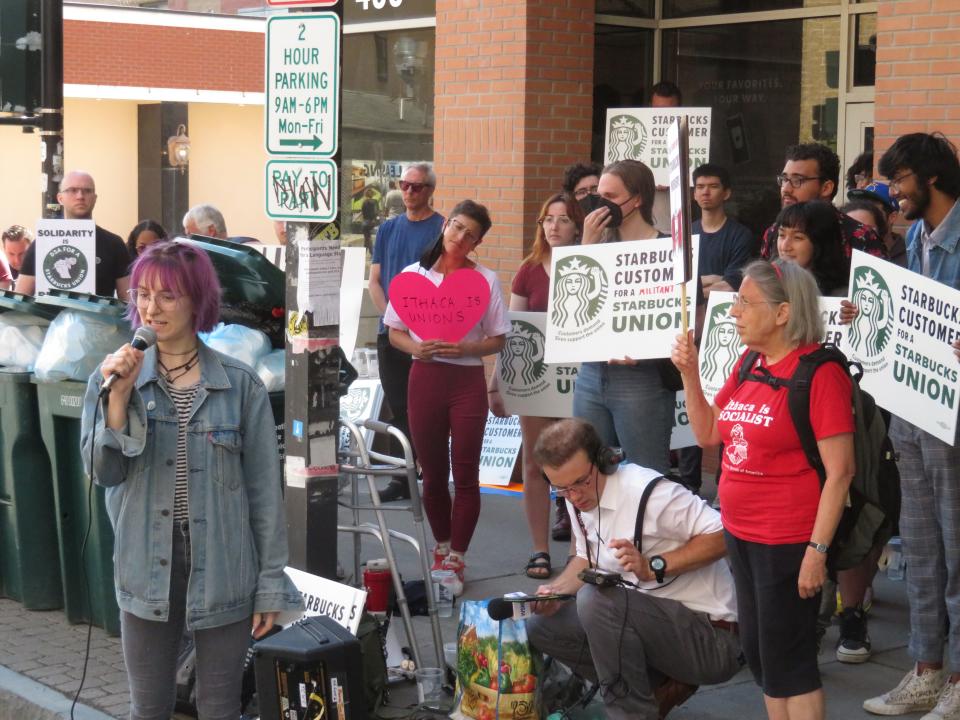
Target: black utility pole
pixel 51 104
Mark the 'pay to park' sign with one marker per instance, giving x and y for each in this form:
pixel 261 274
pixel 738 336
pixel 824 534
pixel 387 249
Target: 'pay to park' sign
pixel 302 190
pixel 303 61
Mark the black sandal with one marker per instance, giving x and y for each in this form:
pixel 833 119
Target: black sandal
pixel 538 563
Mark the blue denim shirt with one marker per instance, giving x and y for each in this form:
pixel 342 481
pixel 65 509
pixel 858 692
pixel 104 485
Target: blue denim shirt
pixel 944 258
pixel 237 520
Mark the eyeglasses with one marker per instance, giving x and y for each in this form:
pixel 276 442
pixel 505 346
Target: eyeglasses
pixel 575 485
pixel 561 220
pixel 581 193
pixel 412 186
pixel 795 180
pixel 741 301
pixel 464 232
pixel 895 182
pixel 164 300
pixel 78 191
pixel 862 178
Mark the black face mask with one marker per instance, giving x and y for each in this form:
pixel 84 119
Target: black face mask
pixel 594 202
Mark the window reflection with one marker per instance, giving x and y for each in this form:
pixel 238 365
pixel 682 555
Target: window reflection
pixel 630 8
pixel 865 49
pixel 623 68
pixel 770 84
pixel 692 8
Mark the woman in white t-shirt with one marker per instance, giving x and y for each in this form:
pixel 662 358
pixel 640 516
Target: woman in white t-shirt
pixel 447 393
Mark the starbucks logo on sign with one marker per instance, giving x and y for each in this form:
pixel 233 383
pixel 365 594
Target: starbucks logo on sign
pixel 65 267
pixel 579 291
pixel 721 347
pixel 354 403
pixel 521 360
pixel 871 330
pixel 626 138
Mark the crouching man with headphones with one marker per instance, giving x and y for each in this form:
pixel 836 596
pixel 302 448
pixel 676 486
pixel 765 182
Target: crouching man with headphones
pixel 655 612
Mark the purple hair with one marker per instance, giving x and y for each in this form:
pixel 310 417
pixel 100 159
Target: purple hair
pixel 179 267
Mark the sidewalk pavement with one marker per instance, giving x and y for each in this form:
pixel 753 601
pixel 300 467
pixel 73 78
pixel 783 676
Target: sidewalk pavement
pixel 42 654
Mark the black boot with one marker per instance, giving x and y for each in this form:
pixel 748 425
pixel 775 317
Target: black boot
pixel 561 526
pixel 396 489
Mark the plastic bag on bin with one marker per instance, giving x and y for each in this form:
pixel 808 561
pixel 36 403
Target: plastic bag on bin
pixel 76 343
pixel 271 370
pixel 21 337
pixel 245 344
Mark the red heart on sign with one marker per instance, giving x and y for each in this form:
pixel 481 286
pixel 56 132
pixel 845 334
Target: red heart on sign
pixel 440 312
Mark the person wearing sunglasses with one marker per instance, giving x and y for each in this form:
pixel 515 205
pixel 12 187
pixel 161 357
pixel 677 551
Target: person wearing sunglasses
pixel 448 390
pixel 78 196
pixel 400 241
pixel 186 446
pixel 811 171
pixel 672 626
pixel 778 520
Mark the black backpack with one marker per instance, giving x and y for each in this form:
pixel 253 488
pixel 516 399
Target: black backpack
pixel 873 506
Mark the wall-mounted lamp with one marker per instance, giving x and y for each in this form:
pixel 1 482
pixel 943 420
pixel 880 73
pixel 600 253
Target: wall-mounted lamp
pixel 178 149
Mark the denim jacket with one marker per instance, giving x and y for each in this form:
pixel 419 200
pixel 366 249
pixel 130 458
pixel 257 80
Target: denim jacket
pixel 237 521
pixel 944 255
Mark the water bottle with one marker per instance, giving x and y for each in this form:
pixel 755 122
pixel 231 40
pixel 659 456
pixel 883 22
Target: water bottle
pixel 895 564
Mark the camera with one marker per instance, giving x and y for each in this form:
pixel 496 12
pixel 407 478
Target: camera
pixel 600 578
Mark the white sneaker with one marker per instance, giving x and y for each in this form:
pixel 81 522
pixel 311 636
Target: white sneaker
pixel 948 704
pixel 915 692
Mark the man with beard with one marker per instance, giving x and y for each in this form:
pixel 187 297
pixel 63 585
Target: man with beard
pixel 812 172
pixel 924 177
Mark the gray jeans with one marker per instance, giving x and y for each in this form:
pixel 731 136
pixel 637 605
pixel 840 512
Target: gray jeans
pixel 629 640
pixel 150 653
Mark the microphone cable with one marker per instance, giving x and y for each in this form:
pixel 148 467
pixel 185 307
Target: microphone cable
pixel 83 567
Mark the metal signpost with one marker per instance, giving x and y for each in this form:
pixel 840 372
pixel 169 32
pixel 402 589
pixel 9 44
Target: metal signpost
pixel 303 116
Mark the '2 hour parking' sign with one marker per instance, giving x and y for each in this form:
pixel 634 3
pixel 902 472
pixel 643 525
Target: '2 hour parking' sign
pixel 303 62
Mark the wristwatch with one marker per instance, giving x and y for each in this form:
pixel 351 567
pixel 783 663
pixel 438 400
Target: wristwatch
pixel 659 567
pixel 819 547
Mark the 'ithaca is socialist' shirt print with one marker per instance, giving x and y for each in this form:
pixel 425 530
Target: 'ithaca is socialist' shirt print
pixel 768 491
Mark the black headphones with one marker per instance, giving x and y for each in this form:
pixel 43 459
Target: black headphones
pixel 608 459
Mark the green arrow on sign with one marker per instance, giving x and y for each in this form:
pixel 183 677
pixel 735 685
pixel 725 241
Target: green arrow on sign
pixel 301 142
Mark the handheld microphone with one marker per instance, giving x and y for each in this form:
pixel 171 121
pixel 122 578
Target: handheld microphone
pixel 515 605
pixel 143 338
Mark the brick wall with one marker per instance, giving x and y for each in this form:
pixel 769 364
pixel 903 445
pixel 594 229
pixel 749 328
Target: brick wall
pixel 513 93
pixel 167 57
pixel 918 56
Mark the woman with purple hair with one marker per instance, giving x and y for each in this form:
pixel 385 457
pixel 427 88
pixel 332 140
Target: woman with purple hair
pixel 186 447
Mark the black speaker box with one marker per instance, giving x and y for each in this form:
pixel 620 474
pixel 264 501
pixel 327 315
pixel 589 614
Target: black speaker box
pixel 309 671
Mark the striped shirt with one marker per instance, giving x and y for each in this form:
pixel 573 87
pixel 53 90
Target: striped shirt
pixel 183 400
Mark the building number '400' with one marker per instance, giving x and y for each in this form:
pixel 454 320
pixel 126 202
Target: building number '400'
pixel 379 4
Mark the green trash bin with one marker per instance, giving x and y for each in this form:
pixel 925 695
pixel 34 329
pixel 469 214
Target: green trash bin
pixel 29 560
pixel 61 408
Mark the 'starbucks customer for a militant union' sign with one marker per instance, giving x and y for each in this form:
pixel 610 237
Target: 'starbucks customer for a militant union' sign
pixel 615 300
pixel 902 336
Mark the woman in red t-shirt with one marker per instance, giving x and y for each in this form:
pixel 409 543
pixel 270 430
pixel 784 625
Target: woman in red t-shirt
pixel 777 520
pixel 560 223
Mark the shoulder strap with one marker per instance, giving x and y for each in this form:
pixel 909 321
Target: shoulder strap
pixel 749 360
pixel 641 511
pixel 798 400
pixel 749 370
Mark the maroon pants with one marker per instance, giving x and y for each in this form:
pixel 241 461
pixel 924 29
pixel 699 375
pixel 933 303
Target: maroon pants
pixel 449 402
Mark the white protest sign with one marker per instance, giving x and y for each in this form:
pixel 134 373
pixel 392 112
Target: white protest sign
pixel 363 402
pixel 66 256
pixel 641 134
pixel 341 603
pixel 902 337
pixel 528 385
pixel 720 345
pixel 303 60
pixel 615 300
pixel 682 434
pixel 501 444
pixel 352 286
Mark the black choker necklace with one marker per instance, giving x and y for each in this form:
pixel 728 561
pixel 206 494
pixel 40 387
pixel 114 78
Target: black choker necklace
pixel 170 375
pixel 173 354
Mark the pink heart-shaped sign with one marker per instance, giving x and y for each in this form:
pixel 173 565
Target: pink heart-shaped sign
pixel 440 312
